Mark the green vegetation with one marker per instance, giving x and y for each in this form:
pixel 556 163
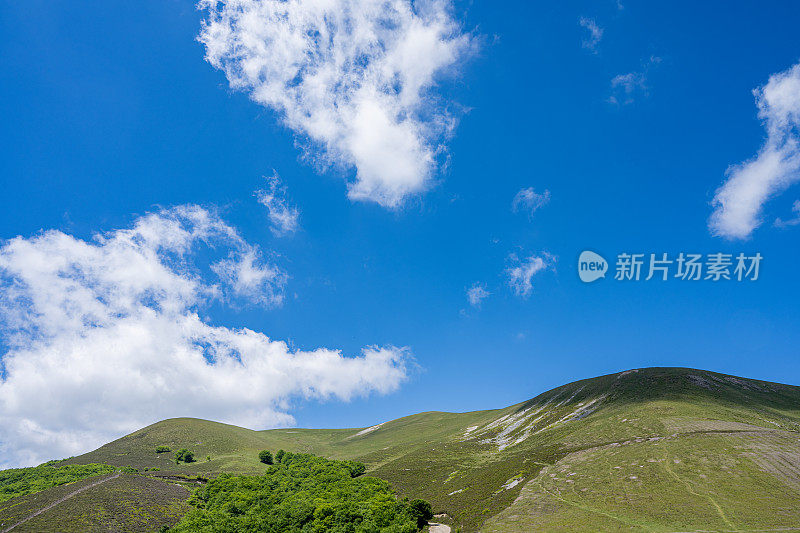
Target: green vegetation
pixel 421 510
pixel 163 449
pixel 562 461
pixel 303 493
pixel 265 456
pixel 184 455
pixel 22 481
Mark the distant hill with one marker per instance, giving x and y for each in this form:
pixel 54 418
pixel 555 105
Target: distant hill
pixel 656 449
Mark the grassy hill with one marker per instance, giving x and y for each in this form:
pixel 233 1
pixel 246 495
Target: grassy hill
pixel 658 449
pixel 111 502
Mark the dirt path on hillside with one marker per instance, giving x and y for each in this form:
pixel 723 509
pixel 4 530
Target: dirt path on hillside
pixel 438 528
pixel 59 501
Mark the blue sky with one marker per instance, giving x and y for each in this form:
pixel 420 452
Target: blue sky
pixel 110 112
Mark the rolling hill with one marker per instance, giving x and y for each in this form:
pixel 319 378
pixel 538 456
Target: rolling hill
pixel 656 449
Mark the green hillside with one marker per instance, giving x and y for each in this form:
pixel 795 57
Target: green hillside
pixel 112 502
pixel 658 449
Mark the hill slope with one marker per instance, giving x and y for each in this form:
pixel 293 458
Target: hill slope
pixel 658 449
pixel 112 502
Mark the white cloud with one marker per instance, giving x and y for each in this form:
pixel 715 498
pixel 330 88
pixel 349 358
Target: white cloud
pixel 355 77
pixel 792 221
pixel 626 87
pixel 249 278
pixel 106 336
pixel 521 272
pixel 739 201
pixel 476 294
pixel 595 33
pixel 283 218
pixel 529 200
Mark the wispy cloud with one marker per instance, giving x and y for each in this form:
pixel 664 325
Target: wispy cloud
pixel 792 221
pixel 106 336
pixel 477 294
pixel 520 272
pixel 529 200
pixel 283 218
pixel 739 201
pixel 354 77
pixel 595 33
pixel 625 88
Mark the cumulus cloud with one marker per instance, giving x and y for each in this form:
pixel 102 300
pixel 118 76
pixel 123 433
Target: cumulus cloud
pixel 477 294
pixel 283 218
pixel 105 336
pixel 595 33
pixel 354 77
pixel 739 201
pixel 625 88
pixel 529 200
pixel 520 273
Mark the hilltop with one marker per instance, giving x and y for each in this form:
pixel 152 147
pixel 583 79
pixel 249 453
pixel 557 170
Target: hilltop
pixel 656 449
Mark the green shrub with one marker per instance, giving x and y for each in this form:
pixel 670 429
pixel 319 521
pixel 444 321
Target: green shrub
pixel 163 449
pixel 422 511
pixel 302 493
pixel 356 468
pixel 265 457
pixel 279 456
pixel 184 455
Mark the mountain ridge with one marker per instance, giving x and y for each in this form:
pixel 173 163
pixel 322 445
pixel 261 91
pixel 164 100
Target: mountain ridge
pixel 481 467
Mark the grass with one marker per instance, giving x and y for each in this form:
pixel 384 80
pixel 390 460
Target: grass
pixel 525 467
pixel 124 503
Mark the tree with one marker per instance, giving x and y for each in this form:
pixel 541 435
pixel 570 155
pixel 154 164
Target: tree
pixel 421 511
pixel 184 455
pixel 279 456
pixel 304 493
pixel 356 468
pixel 265 457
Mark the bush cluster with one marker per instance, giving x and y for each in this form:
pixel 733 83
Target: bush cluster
pixel 184 455
pixel 303 493
pixel 265 456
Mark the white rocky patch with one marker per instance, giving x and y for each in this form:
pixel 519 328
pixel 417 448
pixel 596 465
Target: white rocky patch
pixel 510 484
pixel 516 427
pixel 368 430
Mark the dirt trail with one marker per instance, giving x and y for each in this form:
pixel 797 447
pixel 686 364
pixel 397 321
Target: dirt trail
pixel 438 528
pixel 59 501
